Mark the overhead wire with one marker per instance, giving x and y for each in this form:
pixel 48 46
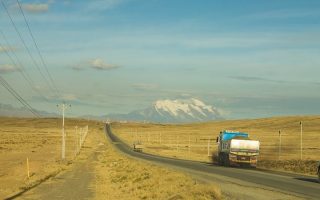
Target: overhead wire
pixel 38 50
pixel 10 57
pixel 26 47
pixel 25 104
pixel 20 67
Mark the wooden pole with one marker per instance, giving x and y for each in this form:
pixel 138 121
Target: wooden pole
pixel 301 140
pixel 208 147
pixel 28 169
pixel 279 144
pixel 189 145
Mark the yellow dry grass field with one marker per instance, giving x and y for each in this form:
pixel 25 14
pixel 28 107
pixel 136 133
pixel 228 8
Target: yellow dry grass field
pixel 39 141
pixel 115 175
pixel 120 177
pixel 198 141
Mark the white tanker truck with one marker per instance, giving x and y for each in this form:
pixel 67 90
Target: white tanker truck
pixel 235 148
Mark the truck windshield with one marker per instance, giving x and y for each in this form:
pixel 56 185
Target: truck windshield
pixel 229 136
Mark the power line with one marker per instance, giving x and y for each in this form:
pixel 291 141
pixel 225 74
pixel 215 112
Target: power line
pixel 20 67
pixel 6 85
pixel 7 52
pixel 38 50
pixel 25 46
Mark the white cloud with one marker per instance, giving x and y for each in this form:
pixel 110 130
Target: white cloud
pixel 7 69
pixel 97 64
pixel 35 7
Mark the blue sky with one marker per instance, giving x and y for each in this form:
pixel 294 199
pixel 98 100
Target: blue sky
pixel 248 58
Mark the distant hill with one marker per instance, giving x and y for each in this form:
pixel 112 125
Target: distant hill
pixel 10 111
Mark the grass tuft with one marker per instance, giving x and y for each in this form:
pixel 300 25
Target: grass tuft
pixel 297 166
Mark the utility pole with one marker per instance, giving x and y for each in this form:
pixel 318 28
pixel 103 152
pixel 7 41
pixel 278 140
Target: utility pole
pixel 279 144
pixel 208 147
pixel 300 140
pixel 63 107
pixel 189 145
pixel 78 140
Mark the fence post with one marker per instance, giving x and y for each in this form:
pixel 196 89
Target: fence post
pixel 79 134
pixel 81 130
pixel 300 140
pixel 75 142
pixel 189 146
pixel 28 169
pixel 208 147
pixel 279 144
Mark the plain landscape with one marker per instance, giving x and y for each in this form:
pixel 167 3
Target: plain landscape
pixel 191 141
pixel 107 173
pixel 159 99
pixel 115 176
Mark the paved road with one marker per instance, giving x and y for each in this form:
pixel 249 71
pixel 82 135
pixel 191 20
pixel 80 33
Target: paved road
pixel 303 186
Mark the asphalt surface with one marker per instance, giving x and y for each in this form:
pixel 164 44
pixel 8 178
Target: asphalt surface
pixel 299 185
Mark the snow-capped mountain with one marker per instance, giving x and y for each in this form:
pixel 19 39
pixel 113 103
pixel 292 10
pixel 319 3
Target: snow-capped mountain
pixel 173 111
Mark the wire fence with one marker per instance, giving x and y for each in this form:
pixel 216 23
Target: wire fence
pixel 194 145
pixel 79 138
pixel 36 152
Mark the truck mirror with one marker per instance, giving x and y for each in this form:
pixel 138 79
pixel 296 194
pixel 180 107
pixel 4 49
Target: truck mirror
pixel 217 139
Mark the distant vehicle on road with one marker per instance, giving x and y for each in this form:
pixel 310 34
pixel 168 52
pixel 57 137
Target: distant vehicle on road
pixel 137 146
pixel 235 148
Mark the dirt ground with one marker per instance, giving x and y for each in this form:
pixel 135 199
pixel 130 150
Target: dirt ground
pixel 99 171
pixel 39 141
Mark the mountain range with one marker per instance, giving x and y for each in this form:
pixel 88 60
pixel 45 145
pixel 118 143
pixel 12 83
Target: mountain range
pixel 172 111
pixel 161 111
pixel 10 111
